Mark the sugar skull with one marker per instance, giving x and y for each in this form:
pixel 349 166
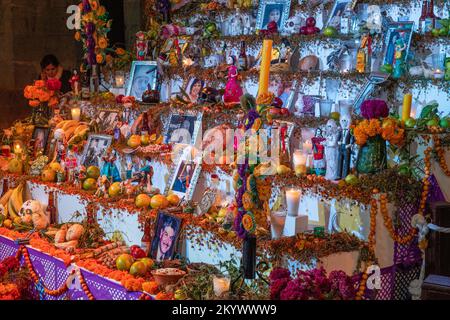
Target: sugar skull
pixel 32 212
pixel 292 25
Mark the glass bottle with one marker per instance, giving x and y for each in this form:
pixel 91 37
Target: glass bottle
pixel 423 16
pixel 243 64
pixel 145 127
pixel 51 208
pixel 85 86
pixel 430 21
pixel 146 237
pixel 346 24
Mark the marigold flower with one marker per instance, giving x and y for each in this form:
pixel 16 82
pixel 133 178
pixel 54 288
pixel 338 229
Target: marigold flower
pixel 77 36
pixel 39 83
pixel 103 43
pixel 99 58
pixel 34 103
pixel 120 51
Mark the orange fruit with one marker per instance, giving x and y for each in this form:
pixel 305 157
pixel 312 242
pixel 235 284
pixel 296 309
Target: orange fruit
pixel 138 269
pixel 148 262
pixel 124 262
pixel 89 184
pixel 48 175
pixel 93 172
pixel 134 141
pixel 114 189
pixel 173 199
pixel 142 201
pixel 159 202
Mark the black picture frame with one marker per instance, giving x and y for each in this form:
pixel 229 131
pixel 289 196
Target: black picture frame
pixel 92 158
pixel 40 139
pixel 165 222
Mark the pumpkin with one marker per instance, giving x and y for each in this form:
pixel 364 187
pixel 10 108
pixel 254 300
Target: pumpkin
pixel 74 232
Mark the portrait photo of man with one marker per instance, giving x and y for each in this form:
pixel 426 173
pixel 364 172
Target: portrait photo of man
pixel 164 242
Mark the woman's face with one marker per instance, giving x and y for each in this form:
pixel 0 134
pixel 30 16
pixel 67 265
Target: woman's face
pixel 196 88
pixel 50 71
pixel 274 15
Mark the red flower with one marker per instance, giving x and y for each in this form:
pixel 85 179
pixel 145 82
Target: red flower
pixel 54 84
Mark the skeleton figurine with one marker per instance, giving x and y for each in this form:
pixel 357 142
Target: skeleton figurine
pixel 292 25
pixel 33 212
pixel 247 21
pixel 345 146
pixel 235 24
pixel 331 150
pixel 58 145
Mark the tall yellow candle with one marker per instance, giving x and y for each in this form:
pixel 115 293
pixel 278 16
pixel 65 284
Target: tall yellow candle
pixel 406 110
pixel 265 67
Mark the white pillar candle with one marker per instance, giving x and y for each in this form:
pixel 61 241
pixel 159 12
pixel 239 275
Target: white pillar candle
pixel 299 161
pixel 292 201
pixel 76 113
pixel 221 285
pixel 438 74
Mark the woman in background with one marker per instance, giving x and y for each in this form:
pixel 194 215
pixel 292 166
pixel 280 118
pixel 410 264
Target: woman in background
pixel 52 69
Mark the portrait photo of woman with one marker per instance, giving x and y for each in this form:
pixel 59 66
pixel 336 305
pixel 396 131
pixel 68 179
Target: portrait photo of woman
pixel 194 88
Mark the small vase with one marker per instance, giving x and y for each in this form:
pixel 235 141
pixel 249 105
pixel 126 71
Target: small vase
pixel 41 115
pixel 372 156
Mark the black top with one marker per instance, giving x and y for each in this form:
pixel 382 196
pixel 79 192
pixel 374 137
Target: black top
pixel 65 84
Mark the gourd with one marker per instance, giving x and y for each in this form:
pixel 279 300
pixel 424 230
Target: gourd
pixel 74 232
pixel 60 236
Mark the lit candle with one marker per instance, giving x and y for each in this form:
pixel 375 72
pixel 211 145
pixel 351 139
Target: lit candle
pixel 265 67
pixel 406 110
pixel 292 201
pixel 438 74
pixel 120 80
pixel 307 147
pixel 75 112
pixel 17 149
pixel 221 285
pixel 299 160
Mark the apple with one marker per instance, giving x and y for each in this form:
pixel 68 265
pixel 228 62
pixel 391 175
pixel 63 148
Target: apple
pixel 114 189
pixel 275 111
pixel 310 30
pixel 277 102
pixel 303 30
pixel 310 22
pixel 159 202
pixel 351 179
pixel 330 31
pixel 119 98
pixel 93 172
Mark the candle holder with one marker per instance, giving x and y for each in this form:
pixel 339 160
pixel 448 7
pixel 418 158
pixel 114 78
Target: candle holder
pixel 75 113
pixel 119 79
pixel 292 201
pixel 221 285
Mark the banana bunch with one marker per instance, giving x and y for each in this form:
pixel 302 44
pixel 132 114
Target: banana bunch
pixel 15 201
pixel 4 202
pixel 74 131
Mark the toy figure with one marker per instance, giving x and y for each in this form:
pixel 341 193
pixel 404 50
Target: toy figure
pixel 102 187
pixel 345 146
pixel 331 150
pixel 235 24
pixel 233 90
pixel 109 168
pixel 318 153
pixel 75 83
pixel 163 6
pixel 58 144
pixel 399 58
pixel 71 163
pixel 141 46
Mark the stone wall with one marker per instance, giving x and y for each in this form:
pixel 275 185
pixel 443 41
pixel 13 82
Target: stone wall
pixel 29 29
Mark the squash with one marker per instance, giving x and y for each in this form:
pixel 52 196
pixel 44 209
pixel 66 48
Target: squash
pixel 60 236
pixel 74 232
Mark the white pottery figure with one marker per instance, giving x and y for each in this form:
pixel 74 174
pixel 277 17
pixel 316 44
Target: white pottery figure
pixel 374 19
pixel 248 22
pixel 32 211
pixel 235 24
pixel 331 149
pixel 346 142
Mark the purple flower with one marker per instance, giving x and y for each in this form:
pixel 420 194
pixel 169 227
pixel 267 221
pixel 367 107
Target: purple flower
pixel 374 108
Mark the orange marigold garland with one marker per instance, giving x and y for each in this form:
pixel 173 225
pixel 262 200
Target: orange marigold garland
pixel 389 130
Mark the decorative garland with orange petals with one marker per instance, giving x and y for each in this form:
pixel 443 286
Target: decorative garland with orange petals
pixel 35 277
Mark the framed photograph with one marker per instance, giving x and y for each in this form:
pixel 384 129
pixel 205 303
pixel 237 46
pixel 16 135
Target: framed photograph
pixel 40 137
pixel 273 10
pixel 143 75
pixel 167 231
pixel 183 127
pixel 285 90
pixel 207 201
pixel 107 119
pixel 94 149
pixel 397 34
pixel 193 89
pixel 184 176
pixel 334 19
